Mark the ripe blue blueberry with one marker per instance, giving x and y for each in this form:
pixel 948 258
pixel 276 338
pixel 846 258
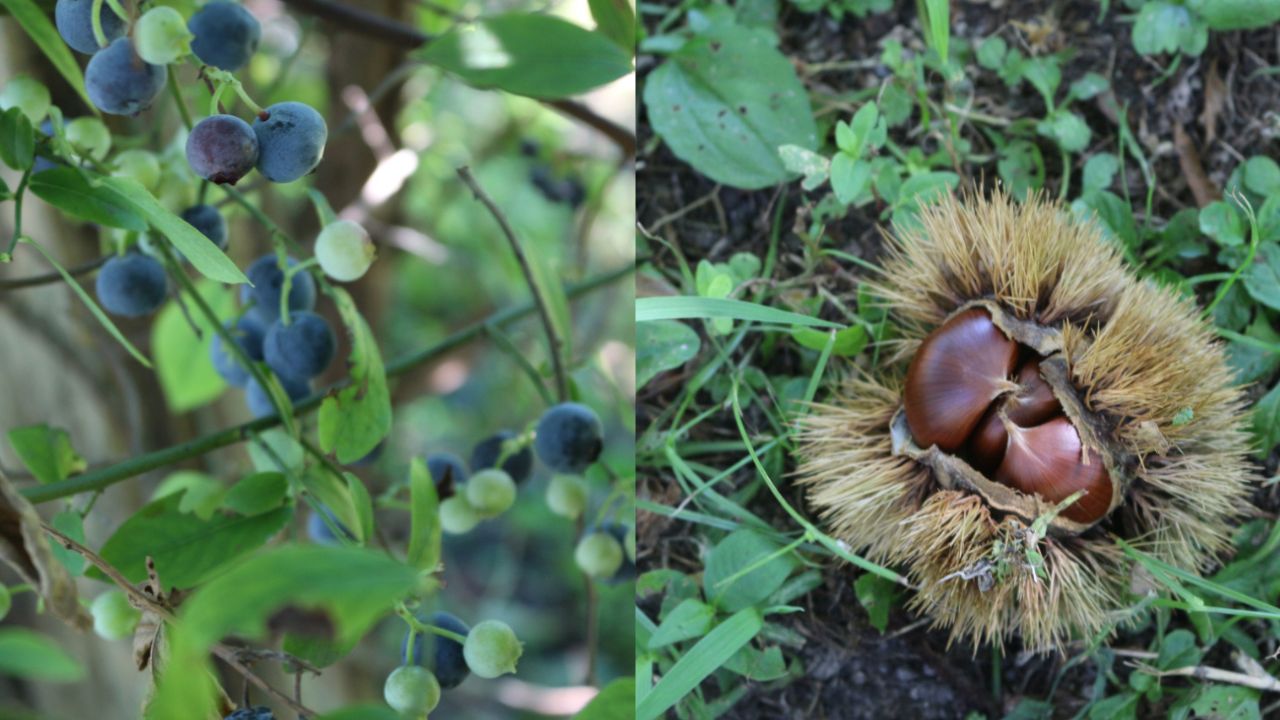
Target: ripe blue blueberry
pixel 226 35
pixel 487 451
pixel 248 331
pixel 222 149
pixel 209 222
pixel 447 661
pixel 74 19
pixel 131 285
pixel 259 401
pixel 290 141
pixel 119 82
pixel 268 283
pixel 442 463
pixel 570 438
pixel 301 349
pixel 320 532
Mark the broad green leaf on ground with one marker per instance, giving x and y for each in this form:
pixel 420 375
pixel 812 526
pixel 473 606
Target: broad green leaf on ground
pixel 690 619
pixel 708 655
pixel 1237 14
pixel 1222 702
pixel 726 101
pixel 540 56
pixel 186 549
pixel 740 571
pixel 1266 422
pixel 1250 362
pixel 424 515
pixel 1221 221
pixel 685 307
pixel 759 665
pixel 30 655
pixel 1262 279
pixel 616 20
pixel 46 452
pixel 617 701
pixel 662 345
pixel 42 32
pixel 807 163
pixel 182 360
pixel 1167 27
pixel 1262 175
pixel 355 419
pixel 67 189
pixel 17 139
pixel 876 595
pixel 198 249
pixel 334 592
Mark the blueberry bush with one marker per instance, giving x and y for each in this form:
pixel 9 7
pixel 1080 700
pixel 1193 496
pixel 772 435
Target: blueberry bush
pixel 319 318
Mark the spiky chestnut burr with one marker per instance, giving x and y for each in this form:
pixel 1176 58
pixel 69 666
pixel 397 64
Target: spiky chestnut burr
pixel 1120 359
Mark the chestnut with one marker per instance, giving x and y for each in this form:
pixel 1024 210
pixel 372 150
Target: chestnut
pixel 1032 404
pixel 1046 460
pixel 958 370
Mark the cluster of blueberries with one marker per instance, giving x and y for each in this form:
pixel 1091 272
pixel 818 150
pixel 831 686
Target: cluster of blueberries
pixel 121 82
pixel 285 142
pixel 568 439
pixel 295 342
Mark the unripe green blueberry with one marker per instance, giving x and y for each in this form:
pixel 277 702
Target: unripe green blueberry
pixel 567 496
pixel 412 690
pixel 89 137
pixel 629 545
pixel 28 95
pixel 113 616
pixel 599 555
pixel 491 492
pixel 141 165
pixel 492 649
pixel 6 601
pixel 161 36
pixel 344 250
pixel 457 517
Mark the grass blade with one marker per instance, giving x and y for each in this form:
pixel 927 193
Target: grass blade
pixel 709 654
pixel 684 307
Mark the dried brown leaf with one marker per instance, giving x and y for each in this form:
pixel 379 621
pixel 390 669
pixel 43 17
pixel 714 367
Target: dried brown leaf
pixel 1215 101
pixel 1189 160
pixel 25 547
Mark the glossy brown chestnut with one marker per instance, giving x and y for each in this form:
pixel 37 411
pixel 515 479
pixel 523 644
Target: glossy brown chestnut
pixel 958 370
pixel 1033 404
pixel 1045 460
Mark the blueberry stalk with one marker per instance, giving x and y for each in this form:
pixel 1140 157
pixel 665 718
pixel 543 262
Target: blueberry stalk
pixel 112 474
pixel 553 340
